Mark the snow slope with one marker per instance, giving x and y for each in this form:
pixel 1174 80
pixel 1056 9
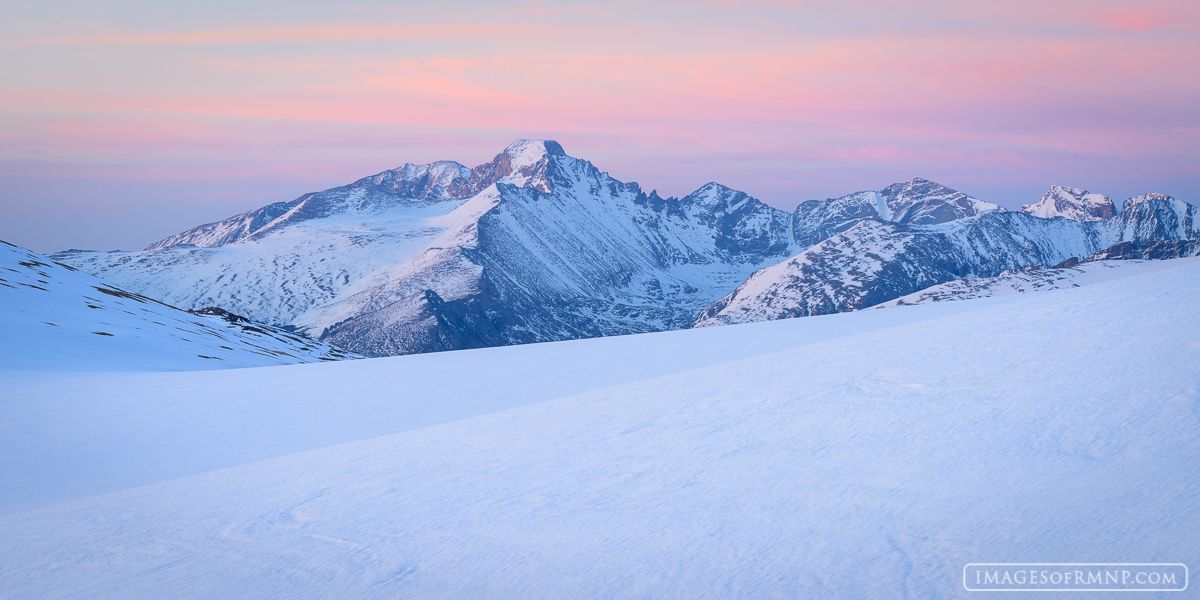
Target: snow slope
pixel 1034 279
pixel 874 464
pixel 54 317
pixel 71 449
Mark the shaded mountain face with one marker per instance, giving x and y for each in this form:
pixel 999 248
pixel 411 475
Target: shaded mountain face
pixel 1071 203
pixel 918 202
pixel 876 261
pixel 533 246
pixel 58 318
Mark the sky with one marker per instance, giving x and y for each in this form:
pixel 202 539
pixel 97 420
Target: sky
pixel 124 122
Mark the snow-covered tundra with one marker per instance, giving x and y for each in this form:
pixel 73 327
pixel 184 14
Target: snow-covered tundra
pixel 870 454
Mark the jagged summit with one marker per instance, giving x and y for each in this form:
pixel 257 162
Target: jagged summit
pixel 524 163
pixel 1071 203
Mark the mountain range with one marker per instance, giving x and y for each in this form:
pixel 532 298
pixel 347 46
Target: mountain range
pixel 538 246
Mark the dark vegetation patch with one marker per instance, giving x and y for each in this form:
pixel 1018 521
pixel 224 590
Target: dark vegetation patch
pixel 216 311
pixel 136 297
pixel 121 294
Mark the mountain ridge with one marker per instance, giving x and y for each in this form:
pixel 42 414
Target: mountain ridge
pixel 537 245
pixel 875 261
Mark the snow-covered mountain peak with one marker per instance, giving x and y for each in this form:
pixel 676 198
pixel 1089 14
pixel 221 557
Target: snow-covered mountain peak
pixel 435 181
pixel 529 152
pixel 524 163
pixel 916 202
pixel 1146 198
pixel 1071 203
pixel 925 202
pixel 713 195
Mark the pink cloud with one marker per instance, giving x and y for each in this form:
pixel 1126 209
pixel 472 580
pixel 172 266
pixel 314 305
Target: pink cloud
pixel 937 82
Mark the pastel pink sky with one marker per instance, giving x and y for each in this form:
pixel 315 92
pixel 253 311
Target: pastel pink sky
pixel 124 122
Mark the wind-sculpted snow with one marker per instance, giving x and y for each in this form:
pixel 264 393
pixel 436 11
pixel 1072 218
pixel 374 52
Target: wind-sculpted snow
pixel 876 261
pixel 1071 203
pixel 918 202
pixel 57 318
pixel 863 462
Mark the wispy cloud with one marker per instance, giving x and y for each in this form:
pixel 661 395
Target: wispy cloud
pixel 1003 91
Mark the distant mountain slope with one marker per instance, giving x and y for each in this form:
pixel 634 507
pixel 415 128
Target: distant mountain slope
pixel 918 202
pixel 876 261
pixel 57 318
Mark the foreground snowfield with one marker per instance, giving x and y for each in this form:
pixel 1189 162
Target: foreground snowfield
pixel 867 454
